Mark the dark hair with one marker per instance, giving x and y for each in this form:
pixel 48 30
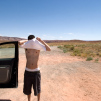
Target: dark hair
pixel 30 37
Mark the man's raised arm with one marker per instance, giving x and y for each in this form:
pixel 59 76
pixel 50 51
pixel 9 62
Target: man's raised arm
pixel 47 46
pixel 22 41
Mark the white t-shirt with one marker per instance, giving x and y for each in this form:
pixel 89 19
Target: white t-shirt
pixel 34 44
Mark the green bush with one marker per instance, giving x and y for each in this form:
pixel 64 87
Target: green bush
pixel 65 50
pixel 69 47
pixel 72 48
pixel 60 47
pixel 89 59
pixel 82 49
pixel 99 54
pixel 66 46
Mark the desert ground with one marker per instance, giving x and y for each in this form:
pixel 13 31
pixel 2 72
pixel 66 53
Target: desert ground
pixel 64 78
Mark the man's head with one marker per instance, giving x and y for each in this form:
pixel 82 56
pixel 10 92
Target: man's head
pixel 30 37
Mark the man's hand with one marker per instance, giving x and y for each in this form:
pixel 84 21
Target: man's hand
pixel 39 39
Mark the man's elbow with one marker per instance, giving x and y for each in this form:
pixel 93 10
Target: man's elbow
pixel 19 43
pixel 48 49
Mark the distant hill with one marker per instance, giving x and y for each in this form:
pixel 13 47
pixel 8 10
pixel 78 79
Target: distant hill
pixel 6 39
pixel 50 41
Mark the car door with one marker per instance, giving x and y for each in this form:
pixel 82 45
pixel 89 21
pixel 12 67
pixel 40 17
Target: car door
pixel 9 56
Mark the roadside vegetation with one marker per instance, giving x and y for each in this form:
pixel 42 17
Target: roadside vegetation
pixel 7 46
pixel 90 51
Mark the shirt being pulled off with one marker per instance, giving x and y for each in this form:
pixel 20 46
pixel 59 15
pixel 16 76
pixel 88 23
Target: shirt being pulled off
pixel 32 51
pixel 33 44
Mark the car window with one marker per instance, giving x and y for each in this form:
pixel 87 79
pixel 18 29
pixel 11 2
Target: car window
pixel 9 57
pixel 7 51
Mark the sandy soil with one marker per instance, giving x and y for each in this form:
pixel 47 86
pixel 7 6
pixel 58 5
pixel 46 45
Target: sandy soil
pixel 64 78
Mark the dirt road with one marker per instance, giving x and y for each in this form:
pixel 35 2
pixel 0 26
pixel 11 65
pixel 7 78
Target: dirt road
pixel 64 78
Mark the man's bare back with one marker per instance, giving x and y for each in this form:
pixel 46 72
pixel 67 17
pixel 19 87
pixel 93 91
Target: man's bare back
pixel 32 57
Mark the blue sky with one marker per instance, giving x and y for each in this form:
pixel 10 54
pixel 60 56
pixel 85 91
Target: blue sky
pixel 51 19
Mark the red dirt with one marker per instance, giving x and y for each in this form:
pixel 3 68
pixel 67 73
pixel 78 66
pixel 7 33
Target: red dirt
pixel 64 78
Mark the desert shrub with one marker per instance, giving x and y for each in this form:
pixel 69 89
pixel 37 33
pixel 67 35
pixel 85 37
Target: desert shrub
pixel 72 48
pixel 66 46
pixel 84 55
pixel 83 46
pixel 85 50
pixel 69 47
pixel 77 51
pixel 59 46
pixel 89 58
pixel 65 50
pixel 99 54
pixel 96 60
pixel 72 54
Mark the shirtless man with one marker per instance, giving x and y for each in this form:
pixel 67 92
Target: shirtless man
pixel 32 74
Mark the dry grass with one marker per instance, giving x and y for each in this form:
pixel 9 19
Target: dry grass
pixel 87 50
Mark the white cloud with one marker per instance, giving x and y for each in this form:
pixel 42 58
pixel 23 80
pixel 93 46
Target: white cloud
pixel 61 37
pixel 44 35
pixel 70 33
pixel 48 37
pixel 29 33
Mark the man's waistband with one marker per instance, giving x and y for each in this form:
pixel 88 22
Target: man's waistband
pixel 32 70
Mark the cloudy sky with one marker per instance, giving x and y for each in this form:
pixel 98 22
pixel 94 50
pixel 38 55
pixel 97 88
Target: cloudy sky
pixel 51 19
